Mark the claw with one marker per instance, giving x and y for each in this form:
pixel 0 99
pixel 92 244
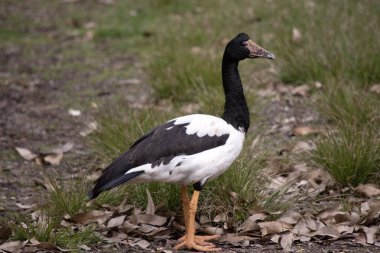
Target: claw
pixel 199 243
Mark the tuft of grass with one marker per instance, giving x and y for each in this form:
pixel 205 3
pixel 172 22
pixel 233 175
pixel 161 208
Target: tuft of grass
pixel 66 196
pixel 47 229
pixel 350 154
pixel 350 148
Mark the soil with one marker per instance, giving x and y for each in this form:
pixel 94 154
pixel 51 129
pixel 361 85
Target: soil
pixel 34 114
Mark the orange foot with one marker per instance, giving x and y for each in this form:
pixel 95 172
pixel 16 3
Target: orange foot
pixel 198 242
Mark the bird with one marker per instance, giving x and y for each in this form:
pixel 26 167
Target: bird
pixel 192 149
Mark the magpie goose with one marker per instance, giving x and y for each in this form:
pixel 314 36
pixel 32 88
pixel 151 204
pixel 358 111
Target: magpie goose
pixel 192 149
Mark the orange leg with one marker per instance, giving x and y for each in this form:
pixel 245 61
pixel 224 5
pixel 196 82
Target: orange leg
pixel 190 240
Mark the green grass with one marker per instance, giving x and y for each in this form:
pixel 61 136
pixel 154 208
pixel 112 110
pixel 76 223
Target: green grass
pixel 350 148
pixel 66 196
pixel 339 40
pixel 46 229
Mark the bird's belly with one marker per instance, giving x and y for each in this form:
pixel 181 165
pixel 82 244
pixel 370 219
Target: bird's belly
pixel 200 167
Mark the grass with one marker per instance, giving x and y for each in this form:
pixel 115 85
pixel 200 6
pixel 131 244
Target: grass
pixel 339 43
pixel 64 197
pixel 350 149
pixel 46 229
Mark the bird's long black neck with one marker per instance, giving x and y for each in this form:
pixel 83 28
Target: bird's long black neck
pixel 235 108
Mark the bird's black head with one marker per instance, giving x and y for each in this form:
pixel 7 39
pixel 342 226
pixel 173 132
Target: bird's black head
pixel 242 47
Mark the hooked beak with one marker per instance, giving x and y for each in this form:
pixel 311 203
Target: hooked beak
pixel 255 51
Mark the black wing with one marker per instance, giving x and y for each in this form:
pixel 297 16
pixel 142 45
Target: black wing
pixel 160 145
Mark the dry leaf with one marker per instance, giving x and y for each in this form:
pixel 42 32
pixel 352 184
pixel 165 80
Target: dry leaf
pixel 74 113
pixel 327 231
pixel 296 35
pixel 53 159
pixel 128 227
pixel 222 217
pixel 212 230
pixel 271 227
pixel 300 90
pixel 115 222
pixel 275 238
pixel 85 247
pixel 26 154
pixel 305 130
pixel 345 229
pixel 91 127
pixel 248 225
pixel 258 215
pixel 233 238
pixel 64 148
pixel 291 217
pixel 375 88
pixel 141 243
pixel 25 206
pixel 116 237
pixel 92 216
pixel 150 208
pixel 14 246
pixel 287 241
pixel 302 146
pixel 301 228
pixel 368 190
pixel 151 219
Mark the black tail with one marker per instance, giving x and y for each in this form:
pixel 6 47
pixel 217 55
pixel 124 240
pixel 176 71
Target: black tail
pixel 115 174
pixel 102 186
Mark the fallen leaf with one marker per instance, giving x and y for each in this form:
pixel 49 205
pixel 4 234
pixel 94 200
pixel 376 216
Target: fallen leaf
pixel 128 227
pixel 14 246
pixel 300 90
pixel 303 146
pixel 275 238
pixel 116 222
pixel 233 238
pixel 301 228
pixel 151 219
pixel 287 241
pixel 222 217
pixel 91 127
pixel 271 227
pixel 64 148
pixel 296 35
pixel 150 208
pixel 248 225
pixel 26 153
pixel 53 159
pixel 210 230
pixel 327 231
pixel 85 247
pixel 318 85
pixel 291 217
pixel 375 88
pixel 92 216
pixel 141 243
pixel 368 190
pixel 305 130
pixel 258 215
pixel 74 113
pixel 115 237
pixel 25 206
